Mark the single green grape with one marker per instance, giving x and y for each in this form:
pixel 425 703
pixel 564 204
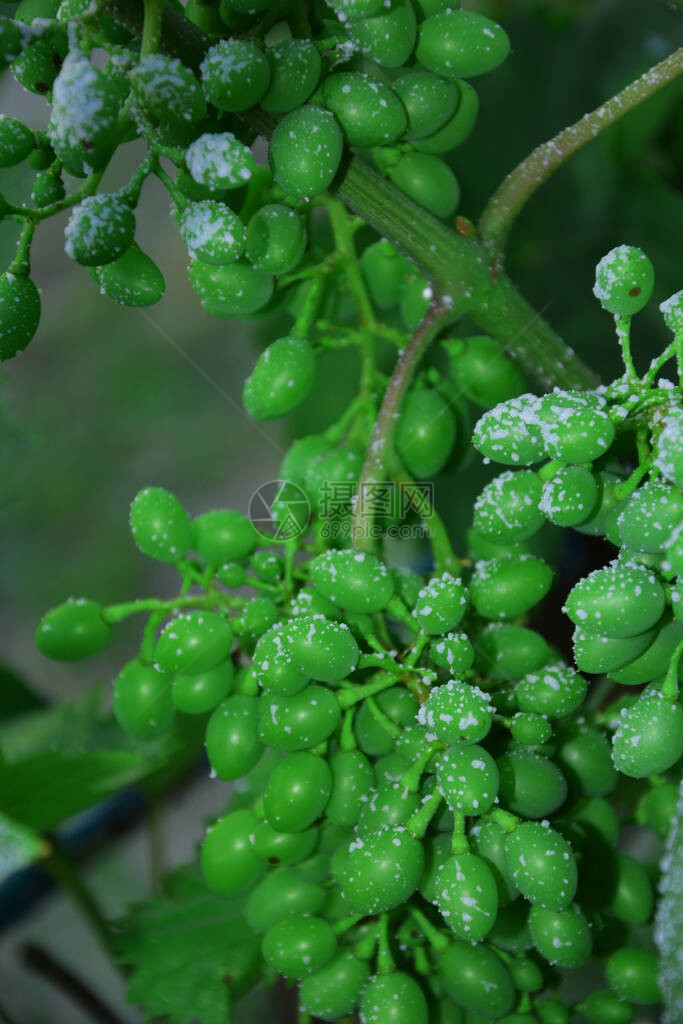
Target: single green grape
pixel 297 792
pixel 542 865
pixel 73 630
pixel 230 864
pixel 233 746
pixel 142 700
pixel 298 946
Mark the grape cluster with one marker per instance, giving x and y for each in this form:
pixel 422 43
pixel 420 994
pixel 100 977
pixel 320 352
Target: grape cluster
pixel 388 80
pixel 435 838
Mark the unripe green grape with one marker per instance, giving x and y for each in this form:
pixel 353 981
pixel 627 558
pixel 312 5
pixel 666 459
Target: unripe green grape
pixel 530 730
pixel 605 1007
pixel 624 280
pixel 454 132
pixel 669 451
pixel 283 893
pixel 19 313
pixel 100 230
pixel 631 899
pixel 672 311
pixel 326 650
pixel 632 973
pixel 621 600
pixel 233 746
pixel 212 232
pixel 476 979
pixel 461 44
pixel 428 181
pixel 305 151
pixel 526 975
pixel 333 992
pixel 237 290
pixel 350 9
pixel 550 1011
pixel 300 455
pixel 166 90
pixel 482 370
pixel 457 711
pixel 556 690
pixel 285 848
pixel 370 113
pixel 570 497
pixel 597 654
pixel 382 870
pixel 159 524
pixel 453 652
pixel 467 896
pixel 352 780
pixel 10 42
pixel 437 850
pixel 416 296
pixel 39 63
pixel 16 141
pixel 504 588
pixel 391 804
pixel 387 38
pixel 73 630
pixel 467 776
pixel 299 946
pixel 219 161
pixel 276 239
pixel 649 518
pixel 197 694
pixel 674 553
pixel 562 937
pixel 428 100
pixel 83 142
pixel 303 720
pixel 657 808
pixel 194 642
pixel 575 427
pixel 295 66
pixel 47 188
pixel 509 433
pixel 586 759
pixel 384 270
pixel 509 652
pixel 394 998
pixel 297 792
pixel 274 665
pixel 282 377
pixel 268 566
pixel 441 604
pixel 133 279
pixel 142 700
pixel 598 817
pixel 230 864
pixel 542 865
pixel 425 432
pixel 358 582
pixel 649 736
pixel 398 705
pixel 508 507
pixel 223 535
pixel 511 930
pixel 531 786
pixel 235 74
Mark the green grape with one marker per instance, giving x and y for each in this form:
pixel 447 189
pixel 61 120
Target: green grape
pixel 574 426
pixel 305 151
pixel 605 1007
pixel 482 370
pixel 387 38
pixel 394 998
pixel 504 588
pixel 437 850
pixel 597 654
pixel 597 816
pixel 669 452
pixel 453 652
pixel 542 865
pixel 441 604
pixel 632 973
pixel 235 74
pixel 219 161
pixel 299 946
pixel 233 746
pixel 621 600
pixel 282 377
pixel 350 9
pixel 550 1011
pixel 416 296
pixel 197 694
pixel 352 779
pixel 237 290
pixel 301 721
pixel 624 280
pixel 16 141
pixel 530 785
pixel 283 847
pixel 467 776
pixel 159 524
pixel 476 979
pixel 232 575
pixel 398 705
pixel 425 432
pixel 511 930
pixel 408 585
pixel 556 690
pixel 83 142
pixel 47 188
pixel 100 230
pixel 461 44
pixel 10 42
pixel 569 497
pixel 297 792
pixel 73 630
pixel 282 894
pixel 166 90
pixel 381 870
pixel 142 700
pixel 507 651
pixel 357 581
pixel 258 615
pixel 428 100
pixel 585 756
pixel 326 650
pixel 457 711
pixel 369 112
pixel 300 455
pixel 657 808
pixel 295 67
pixel 39 63
pixel 672 311
pixel 230 864
pixel 133 279
pixel 453 133
pixel 428 181
pixel 384 270
pixel 631 899
pixel 223 535
pixel 510 433
pixel 508 507
pixel 599 523
pixel 387 806
pixel 212 232
pixel 334 991
pixel 467 896
pixel 526 975
pixel 19 313
pixel 674 553
pixel 650 516
pixel 530 730
pixel 274 666
pixel 562 937
pixel 194 642
pixel 649 736
pixel 276 241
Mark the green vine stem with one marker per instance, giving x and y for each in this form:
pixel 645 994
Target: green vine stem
pixel 518 187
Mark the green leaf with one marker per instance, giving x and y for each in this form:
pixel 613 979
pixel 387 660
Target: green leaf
pixel 190 953
pixel 669 921
pixel 19 846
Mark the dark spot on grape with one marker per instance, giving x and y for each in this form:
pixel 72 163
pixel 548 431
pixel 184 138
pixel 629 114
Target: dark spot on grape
pixel 273 860
pixel 634 291
pixel 87 144
pixel 42 87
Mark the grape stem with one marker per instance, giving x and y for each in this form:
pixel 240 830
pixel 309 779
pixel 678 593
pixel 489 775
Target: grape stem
pixel 385 961
pixel 520 185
